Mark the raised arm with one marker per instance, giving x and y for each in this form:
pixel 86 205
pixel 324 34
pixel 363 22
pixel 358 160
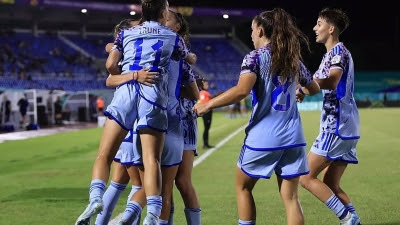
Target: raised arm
pixel 112 62
pixel 233 95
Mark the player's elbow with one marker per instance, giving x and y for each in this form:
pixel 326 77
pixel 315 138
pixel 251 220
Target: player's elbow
pixel 112 68
pixel 241 94
pixel 108 83
pixel 191 58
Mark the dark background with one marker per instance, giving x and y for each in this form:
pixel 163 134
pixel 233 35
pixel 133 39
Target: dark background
pixel 373 36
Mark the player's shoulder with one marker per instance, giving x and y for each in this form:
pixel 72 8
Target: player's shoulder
pixel 338 49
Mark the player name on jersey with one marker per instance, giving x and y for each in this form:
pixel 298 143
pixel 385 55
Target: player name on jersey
pixel 149 30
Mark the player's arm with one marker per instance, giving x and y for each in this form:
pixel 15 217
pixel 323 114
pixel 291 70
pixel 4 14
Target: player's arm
pixel 115 55
pixel 311 88
pixel 109 47
pixel 182 52
pixel 331 81
pixel 189 88
pixel 112 61
pixel 190 91
pixel 306 85
pixel 143 76
pixel 233 95
pixel 191 58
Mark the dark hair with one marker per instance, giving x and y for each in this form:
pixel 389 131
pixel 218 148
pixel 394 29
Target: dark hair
pixel 184 30
pixel 279 27
pixel 336 17
pixel 123 25
pixel 152 9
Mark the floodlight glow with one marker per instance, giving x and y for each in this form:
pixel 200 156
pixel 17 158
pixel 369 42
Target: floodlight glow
pixel 84 11
pixel 132 13
pixel 225 16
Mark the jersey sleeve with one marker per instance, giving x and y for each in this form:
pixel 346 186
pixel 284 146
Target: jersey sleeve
pixel 250 64
pixel 188 75
pixel 305 77
pixel 181 51
pixel 338 58
pixel 118 42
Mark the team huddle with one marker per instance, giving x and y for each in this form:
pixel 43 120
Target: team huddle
pixel 150 134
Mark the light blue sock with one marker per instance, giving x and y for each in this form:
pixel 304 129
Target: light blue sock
pixel 162 222
pixel 154 205
pixel 336 206
pixel 132 213
pixel 193 216
pixel 110 199
pixel 96 189
pixel 249 222
pixel 171 215
pixel 351 208
pixel 133 191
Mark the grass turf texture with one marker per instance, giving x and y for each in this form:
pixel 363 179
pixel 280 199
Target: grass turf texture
pixel 45 180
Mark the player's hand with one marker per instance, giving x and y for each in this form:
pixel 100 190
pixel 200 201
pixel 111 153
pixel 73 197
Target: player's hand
pixel 299 96
pixel 146 77
pixel 201 108
pixel 109 47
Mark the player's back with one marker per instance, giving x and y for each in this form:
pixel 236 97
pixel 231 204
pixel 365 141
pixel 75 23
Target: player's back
pixel 275 122
pixel 149 44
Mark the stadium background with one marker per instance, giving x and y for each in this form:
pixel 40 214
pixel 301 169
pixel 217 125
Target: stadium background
pixel 49 48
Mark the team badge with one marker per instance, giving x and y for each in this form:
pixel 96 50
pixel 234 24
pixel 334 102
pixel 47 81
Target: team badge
pixel 336 59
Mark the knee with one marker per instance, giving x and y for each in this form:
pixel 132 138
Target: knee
pixel 181 183
pixel 334 187
pixel 243 188
pixel 290 196
pixel 304 180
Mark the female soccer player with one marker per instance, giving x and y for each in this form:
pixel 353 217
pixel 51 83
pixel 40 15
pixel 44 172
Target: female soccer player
pixel 274 137
pixel 148 45
pixel 183 179
pixel 335 145
pixel 180 73
pixel 120 178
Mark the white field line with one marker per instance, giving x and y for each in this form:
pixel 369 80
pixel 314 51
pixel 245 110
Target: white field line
pixel 197 161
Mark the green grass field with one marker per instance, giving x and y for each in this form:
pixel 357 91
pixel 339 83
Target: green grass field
pixel 45 180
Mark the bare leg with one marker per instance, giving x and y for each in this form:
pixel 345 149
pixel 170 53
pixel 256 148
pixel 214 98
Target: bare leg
pixel 332 179
pixel 245 201
pixel 139 196
pixel 168 177
pixel 110 140
pixel 288 188
pixel 119 173
pixel 152 144
pixel 183 181
pixel 311 182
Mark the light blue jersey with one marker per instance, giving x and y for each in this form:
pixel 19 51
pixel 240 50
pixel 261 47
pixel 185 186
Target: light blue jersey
pixel 150 44
pixel 275 121
pixel 173 145
pixel 339 113
pixel 189 117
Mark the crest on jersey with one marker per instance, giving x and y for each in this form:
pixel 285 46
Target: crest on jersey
pixel 336 59
pixel 244 63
